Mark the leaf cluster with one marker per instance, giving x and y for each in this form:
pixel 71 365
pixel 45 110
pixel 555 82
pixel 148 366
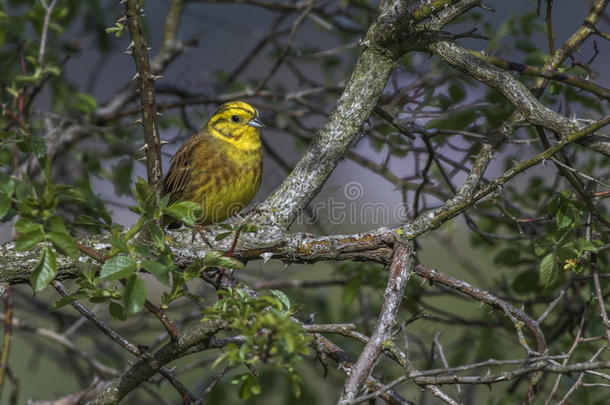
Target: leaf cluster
pixel 271 335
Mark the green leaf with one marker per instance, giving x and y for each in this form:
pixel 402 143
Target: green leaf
pixel 457 93
pixel 157 235
pixel 586 245
pixel 85 103
pixel 45 270
pixel 24 225
pixel 548 269
pixel 64 244
pixel 145 196
pixel 222 236
pixel 5 204
pixel 134 295
pixel 26 241
pixel 248 384
pixel 250 229
pixel 7 184
pixel 186 212
pixel 119 244
pixel 159 270
pixel 218 259
pixel 282 297
pixel 118 267
pixel 39 147
pixel 566 215
pixel 117 311
pixel 68 300
pixel 145 251
pixel 544 244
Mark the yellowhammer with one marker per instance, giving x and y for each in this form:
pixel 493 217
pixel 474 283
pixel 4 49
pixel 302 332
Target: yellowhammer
pixel 219 167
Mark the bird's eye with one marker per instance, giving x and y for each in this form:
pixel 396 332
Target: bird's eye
pixel 235 118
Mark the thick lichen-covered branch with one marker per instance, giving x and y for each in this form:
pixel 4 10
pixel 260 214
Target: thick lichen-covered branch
pixel 147 367
pixel 344 123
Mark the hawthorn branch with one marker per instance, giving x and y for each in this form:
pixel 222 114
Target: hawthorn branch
pixel 148 366
pixel 402 264
pixel 146 79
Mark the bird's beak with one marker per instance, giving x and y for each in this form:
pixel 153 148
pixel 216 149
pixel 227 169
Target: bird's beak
pixel 256 123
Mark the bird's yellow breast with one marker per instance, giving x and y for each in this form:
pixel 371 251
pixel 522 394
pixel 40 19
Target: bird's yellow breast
pixel 235 181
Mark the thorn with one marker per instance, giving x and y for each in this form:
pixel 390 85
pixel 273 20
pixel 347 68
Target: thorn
pixel 149 48
pixel 162 142
pixel 159 114
pixel 129 52
pixel 131 45
pixel 122 19
pixel 144 147
pixel 135 76
pixel 138 121
pixel 155 77
pixel 142 159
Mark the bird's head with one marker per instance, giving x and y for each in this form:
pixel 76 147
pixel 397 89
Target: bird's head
pixel 237 123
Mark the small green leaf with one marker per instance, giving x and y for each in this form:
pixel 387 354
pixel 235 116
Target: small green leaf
pixel 134 295
pixel 157 235
pixel 250 229
pixel 282 297
pixel 24 225
pixel 64 244
pixel 119 244
pixel 117 311
pixel 67 300
pixel 39 147
pixel 186 212
pixel 565 215
pixel 217 259
pixel 159 270
pixel 544 244
pixel 118 267
pixel 26 241
pixel 5 204
pixel 548 270
pixel 7 184
pixel 145 251
pixel 222 236
pixel 45 270
pixel 457 93
pixel 144 194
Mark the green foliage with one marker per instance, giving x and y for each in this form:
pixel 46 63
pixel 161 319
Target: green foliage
pixel 270 334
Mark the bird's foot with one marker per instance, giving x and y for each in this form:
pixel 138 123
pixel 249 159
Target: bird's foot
pixel 198 229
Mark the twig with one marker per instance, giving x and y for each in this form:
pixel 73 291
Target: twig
pixel 45 27
pixel 579 379
pixel 443 358
pixel 210 387
pixel 8 329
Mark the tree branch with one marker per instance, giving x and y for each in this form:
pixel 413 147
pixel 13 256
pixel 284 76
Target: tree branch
pixel 146 79
pixel 402 264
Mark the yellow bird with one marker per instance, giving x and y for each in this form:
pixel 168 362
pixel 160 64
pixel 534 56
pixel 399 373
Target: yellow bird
pixel 220 166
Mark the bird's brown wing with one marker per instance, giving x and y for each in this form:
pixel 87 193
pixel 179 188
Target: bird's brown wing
pixel 177 179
